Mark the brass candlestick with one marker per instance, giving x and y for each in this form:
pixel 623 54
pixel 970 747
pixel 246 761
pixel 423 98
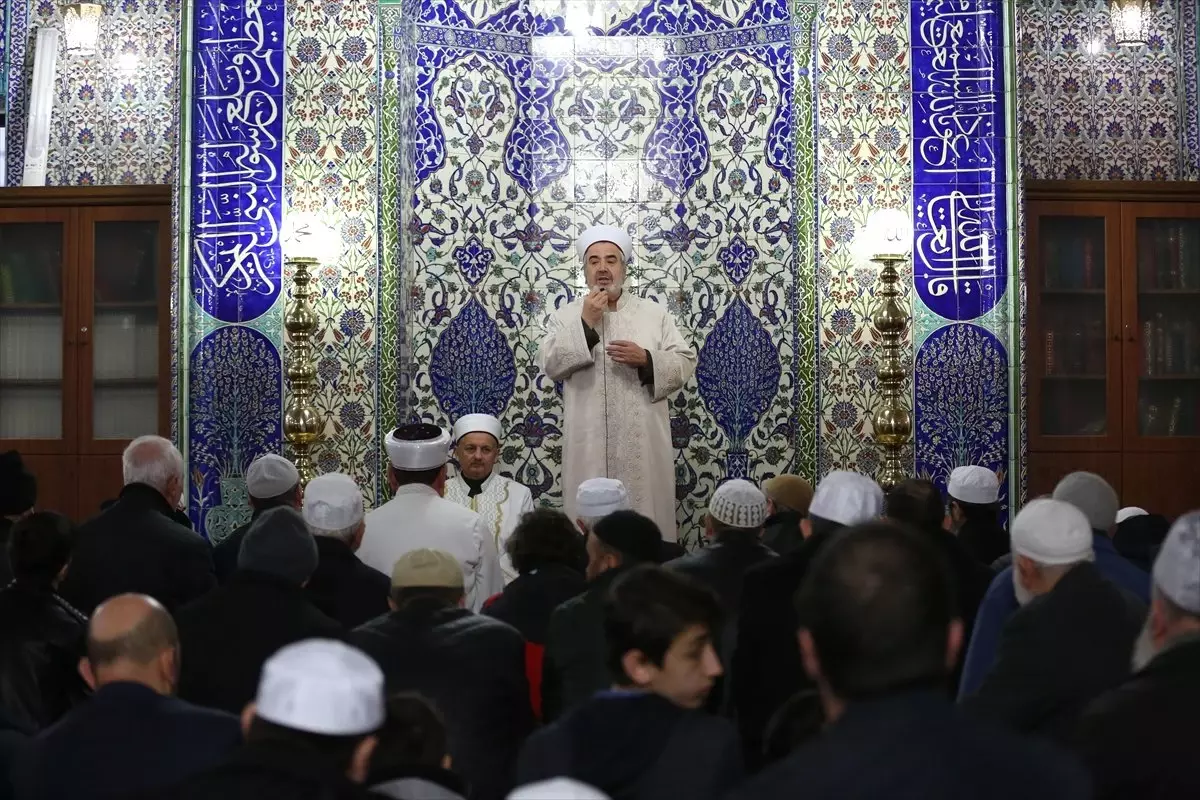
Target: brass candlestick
pixel 891 420
pixel 301 424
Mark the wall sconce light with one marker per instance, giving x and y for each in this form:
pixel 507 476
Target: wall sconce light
pixel 1128 22
pixel 81 27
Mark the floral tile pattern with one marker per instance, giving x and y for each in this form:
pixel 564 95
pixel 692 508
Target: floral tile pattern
pixel 1090 110
pixel 331 170
pixel 864 161
pixel 114 119
pixel 689 143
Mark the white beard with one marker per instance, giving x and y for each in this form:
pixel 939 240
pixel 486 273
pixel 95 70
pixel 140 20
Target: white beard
pixel 1023 594
pixel 1144 649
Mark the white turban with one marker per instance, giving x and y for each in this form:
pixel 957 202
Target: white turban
pixel 604 233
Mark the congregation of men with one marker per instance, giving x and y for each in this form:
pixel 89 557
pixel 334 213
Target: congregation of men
pixel 457 643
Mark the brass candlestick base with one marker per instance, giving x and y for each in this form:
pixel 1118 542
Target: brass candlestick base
pixel 301 424
pixel 891 420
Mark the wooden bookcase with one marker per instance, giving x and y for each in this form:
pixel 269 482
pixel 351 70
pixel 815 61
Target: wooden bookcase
pixel 85 333
pixel 1113 289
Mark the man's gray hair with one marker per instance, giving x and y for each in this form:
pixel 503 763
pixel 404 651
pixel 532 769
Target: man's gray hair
pixel 345 534
pixel 151 460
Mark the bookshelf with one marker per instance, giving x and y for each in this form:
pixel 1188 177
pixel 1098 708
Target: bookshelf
pixel 84 333
pixel 1113 336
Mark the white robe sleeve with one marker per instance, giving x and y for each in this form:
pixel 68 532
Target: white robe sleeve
pixel 526 504
pixel 489 579
pixel 674 361
pixel 564 349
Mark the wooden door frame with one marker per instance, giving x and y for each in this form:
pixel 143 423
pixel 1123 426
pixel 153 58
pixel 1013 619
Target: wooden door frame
pixel 88 217
pixel 1110 211
pixel 1130 214
pixel 66 443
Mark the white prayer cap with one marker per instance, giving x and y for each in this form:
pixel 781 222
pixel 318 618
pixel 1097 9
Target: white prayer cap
pixel 477 423
pixel 1092 495
pixel 972 484
pixel 1131 511
pixel 1052 532
pixel 1177 568
pixel 557 789
pixel 604 233
pixel 321 686
pixel 270 476
pixel 738 504
pixel 847 498
pixel 412 448
pixel 332 502
pixel 599 497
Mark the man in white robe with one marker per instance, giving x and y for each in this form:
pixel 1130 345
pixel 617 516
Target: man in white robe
pixel 498 500
pixel 619 357
pixel 419 517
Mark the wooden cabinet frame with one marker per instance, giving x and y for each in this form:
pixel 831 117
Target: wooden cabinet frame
pixel 91 466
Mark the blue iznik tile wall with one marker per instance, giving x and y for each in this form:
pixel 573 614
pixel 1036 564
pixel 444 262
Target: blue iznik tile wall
pixel 673 120
pixel 962 206
pixel 115 118
pixel 742 142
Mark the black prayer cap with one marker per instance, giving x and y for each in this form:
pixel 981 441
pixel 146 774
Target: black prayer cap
pixel 634 535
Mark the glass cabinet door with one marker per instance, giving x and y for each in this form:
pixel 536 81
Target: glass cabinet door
pixel 34 313
pixel 1163 327
pixel 123 282
pixel 1074 346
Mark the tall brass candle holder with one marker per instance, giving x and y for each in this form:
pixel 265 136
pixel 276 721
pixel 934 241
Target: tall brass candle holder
pixel 301 423
pixel 891 419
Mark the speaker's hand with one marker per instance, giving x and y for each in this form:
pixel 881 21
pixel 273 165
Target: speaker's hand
pixel 627 353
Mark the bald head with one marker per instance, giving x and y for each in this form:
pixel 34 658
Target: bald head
pixel 132 638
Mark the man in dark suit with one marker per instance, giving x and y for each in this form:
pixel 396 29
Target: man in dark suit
pixel 134 546
pixel 879 634
pixel 918 503
pixel 230 632
pixel 342 587
pixel 647 738
pixel 18 494
pixel 271 482
pixel 132 736
pixel 574 668
pixel 1140 739
pixel 766 662
pixel 734 527
pixel 471 666
pixel 1072 637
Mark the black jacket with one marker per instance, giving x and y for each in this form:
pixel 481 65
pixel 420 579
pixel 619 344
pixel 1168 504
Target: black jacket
pixel 781 532
pixel 1058 653
pixel 126 740
pixel 226 636
pixel 6 575
pixel 528 601
pixel 722 566
pixel 225 552
pixel 636 746
pixel 43 639
pixel 766 667
pixel 913 746
pixel 985 542
pixel 473 668
pixel 135 546
pixel 1139 739
pixel 971 581
pixel 265 770
pixel 573 668
pixel 345 589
